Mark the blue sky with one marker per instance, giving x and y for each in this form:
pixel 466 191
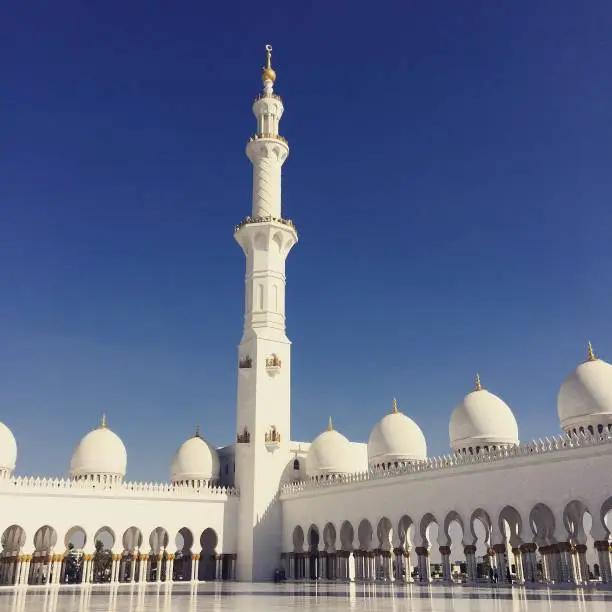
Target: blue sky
pixel 449 177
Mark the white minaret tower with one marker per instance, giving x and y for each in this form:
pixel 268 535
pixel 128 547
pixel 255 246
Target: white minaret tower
pixel 264 388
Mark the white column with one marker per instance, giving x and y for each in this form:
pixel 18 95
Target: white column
pixel 158 571
pixel 518 563
pixel 133 566
pixel 500 559
pixel 445 552
pixel 605 566
pixel 424 564
pixel 581 551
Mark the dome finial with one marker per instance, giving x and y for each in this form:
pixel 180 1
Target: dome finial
pixel 330 426
pixel 268 73
pixel 197 432
pixel 394 410
pixel 103 421
pixel 477 384
pixel 590 353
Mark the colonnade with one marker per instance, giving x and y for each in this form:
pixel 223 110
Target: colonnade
pixel 127 567
pixel 557 564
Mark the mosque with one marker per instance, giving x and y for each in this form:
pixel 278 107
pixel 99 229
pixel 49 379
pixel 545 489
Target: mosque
pixel 494 508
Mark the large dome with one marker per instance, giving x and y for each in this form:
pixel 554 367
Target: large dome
pixel 195 460
pixel 482 419
pixel 100 453
pixel 8 450
pixel 329 453
pixel 396 438
pixel 585 397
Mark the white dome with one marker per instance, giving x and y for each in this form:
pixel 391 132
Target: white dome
pixel 8 449
pixel 329 453
pixel 100 453
pixel 482 419
pixel 196 459
pixel 585 397
pixel 396 437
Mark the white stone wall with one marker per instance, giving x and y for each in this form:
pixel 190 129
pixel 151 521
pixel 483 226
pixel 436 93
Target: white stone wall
pixel 532 487
pixel 64 505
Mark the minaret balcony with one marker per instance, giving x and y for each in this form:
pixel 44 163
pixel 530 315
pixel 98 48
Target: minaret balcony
pixel 272 439
pixel 273 365
pixel 268 137
pixel 250 220
pixel 265 94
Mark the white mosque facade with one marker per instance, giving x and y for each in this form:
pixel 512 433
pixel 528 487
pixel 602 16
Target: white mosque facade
pixel 331 509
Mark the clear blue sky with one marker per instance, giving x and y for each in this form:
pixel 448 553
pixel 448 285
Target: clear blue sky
pixel 450 178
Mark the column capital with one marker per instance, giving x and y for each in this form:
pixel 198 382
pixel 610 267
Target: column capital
pixel 581 548
pixel 422 551
pixel 469 549
pixel 603 545
pixel 499 548
pixel 529 547
pixel 445 550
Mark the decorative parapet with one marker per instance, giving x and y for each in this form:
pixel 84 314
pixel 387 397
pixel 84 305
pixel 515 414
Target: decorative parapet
pixel 273 435
pixel 244 437
pixel 31 484
pixel 267 219
pixel 538 447
pixel 268 137
pixel 273 365
pixel 245 363
pixel 273 362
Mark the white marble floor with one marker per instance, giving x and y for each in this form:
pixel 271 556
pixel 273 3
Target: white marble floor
pixel 236 597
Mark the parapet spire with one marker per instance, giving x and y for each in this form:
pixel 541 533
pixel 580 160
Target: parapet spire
pixel 477 383
pixel 268 76
pixel 590 353
pixel 395 409
pixel 330 426
pixel 103 421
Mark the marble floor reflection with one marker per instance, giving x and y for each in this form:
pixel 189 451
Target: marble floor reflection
pixel 322 597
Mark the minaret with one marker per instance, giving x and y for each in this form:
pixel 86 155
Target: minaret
pixel 264 358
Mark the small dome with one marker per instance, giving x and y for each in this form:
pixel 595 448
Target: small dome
pixel 482 419
pixel 195 459
pixel 396 437
pixel 329 453
pixel 100 453
pixel 8 450
pixel 585 397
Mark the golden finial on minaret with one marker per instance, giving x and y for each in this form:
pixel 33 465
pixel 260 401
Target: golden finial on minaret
pixel 197 432
pixel 477 385
pixel 268 73
pixel 330 426
pixel 590 353
pixel 103 422
pixel 394 410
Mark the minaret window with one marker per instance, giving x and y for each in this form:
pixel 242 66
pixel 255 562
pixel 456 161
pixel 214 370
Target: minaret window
pixel 296 464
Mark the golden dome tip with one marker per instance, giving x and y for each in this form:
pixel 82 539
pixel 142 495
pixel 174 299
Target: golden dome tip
pixel 103 422
pixel 395 409
pixel 268 73
pixel 477 383
pixel 590 352
pixel 330 426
